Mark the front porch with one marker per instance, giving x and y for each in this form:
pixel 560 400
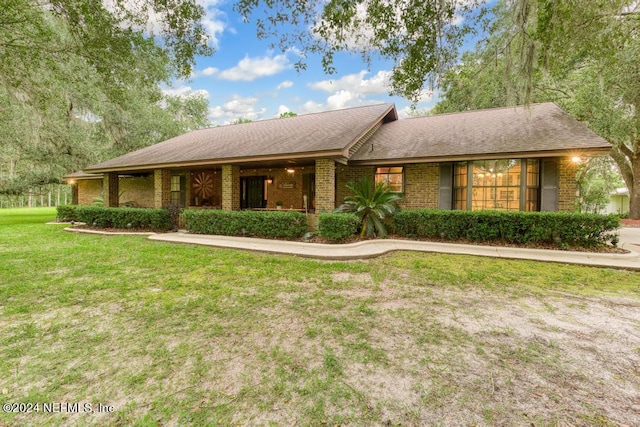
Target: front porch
pixel 306 187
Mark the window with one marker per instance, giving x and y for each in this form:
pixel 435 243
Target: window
pixel 178 190
pixel 503 184
pixel 393 176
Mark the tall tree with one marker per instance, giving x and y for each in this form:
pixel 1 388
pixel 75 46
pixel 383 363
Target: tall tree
pixel 585 56
pixel 77 78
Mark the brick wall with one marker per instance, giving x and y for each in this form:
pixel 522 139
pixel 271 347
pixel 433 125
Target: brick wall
pixel 325 185
pixel 421 185
pixel 88 190
pixel 230 187
pixel 347 174
pixel 161 188
pixel 291 198
pixel 213 200
pixel 139 191
pixel 567 184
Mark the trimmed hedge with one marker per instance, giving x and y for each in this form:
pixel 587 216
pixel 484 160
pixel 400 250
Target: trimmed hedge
pixel 154 219
pixel 338 226
pixel 577 229
pixel 268 224
pixel 66 213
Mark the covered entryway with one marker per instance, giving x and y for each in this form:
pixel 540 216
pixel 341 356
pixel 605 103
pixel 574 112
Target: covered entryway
pixel 252 192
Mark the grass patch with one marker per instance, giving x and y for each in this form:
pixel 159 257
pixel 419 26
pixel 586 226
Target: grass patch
pixel 177 334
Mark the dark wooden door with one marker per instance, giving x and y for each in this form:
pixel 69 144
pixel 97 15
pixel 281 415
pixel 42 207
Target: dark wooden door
pixel 252 188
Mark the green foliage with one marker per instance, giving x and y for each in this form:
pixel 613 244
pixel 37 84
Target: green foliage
pixel 373 203
pixel 421 38
pixel 66 213
pixel 80 83
pixel 338 226
pixel 287 114
pixel 274 224
pixel 154 219
pixel 576 229
pixel 581 55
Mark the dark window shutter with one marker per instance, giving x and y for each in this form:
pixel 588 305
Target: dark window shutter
pixel 549 185
pixel 445 196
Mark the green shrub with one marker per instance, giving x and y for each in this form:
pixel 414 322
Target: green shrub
pixel 575 229
pixel 66 213
pixel 337 226
pixel 269 224
pixel 154 219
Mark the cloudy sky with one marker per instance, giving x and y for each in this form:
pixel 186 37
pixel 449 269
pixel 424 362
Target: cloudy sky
pixel 245 79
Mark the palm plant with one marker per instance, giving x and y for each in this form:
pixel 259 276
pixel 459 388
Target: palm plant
pixel 373 204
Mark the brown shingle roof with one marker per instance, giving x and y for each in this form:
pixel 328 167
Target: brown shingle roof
pixel 328 133
pixel 499 131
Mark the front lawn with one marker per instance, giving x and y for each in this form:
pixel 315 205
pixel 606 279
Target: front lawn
pixel 189 335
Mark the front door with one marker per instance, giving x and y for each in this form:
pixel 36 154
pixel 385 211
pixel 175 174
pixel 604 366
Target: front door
pixel 252 192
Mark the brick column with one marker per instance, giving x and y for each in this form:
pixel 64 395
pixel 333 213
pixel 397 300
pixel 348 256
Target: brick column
pixel 161 188
pixel 74 193
pixel 325 185
pixel 567 185
pixel 230 187
pixel 111 198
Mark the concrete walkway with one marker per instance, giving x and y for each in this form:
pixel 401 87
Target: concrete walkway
pixel 629 240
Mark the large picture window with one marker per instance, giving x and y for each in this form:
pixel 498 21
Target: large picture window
pixel 503 184
pixel 393 176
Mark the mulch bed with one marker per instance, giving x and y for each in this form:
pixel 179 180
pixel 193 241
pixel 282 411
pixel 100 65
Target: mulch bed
pixel 598 249
pixel 355 239
pixel 635 223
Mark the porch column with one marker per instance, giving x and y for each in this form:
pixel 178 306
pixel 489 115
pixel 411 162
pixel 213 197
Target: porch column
pixel 110 192
pixel 567 184
pixel 162 188
pixel 74 193
pixel 325 185
pixel 230 187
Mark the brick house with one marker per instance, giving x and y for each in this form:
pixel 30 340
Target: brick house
pixel 521 158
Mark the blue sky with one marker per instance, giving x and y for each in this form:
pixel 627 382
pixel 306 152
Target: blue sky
pixel 245 79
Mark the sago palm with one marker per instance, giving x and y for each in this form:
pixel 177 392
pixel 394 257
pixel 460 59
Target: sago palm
pixel 373 204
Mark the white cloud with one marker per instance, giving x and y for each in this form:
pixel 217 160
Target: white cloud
pixel 285 84
pixel 356 83
pixel 249 69
pixel 185 91
pixel 213 21
pixel 282 109
pixel 312 107
pixel 238 107
pixel 209 71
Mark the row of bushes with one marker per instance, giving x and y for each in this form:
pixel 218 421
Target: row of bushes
pixel 577 229
pixel 338 226
pixel 98 216
pixel 269 224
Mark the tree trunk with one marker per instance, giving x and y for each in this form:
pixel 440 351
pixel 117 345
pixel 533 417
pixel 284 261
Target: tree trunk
pixel 634 192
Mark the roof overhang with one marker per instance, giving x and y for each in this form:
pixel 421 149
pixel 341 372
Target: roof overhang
pixel 336 155
pixel 588 152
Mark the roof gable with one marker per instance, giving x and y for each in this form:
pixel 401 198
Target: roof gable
pixel 328 133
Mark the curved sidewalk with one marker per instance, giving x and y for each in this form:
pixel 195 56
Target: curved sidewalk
pixel 374 248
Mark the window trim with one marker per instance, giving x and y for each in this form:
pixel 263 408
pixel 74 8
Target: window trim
pixel 402 174
pixel 522 186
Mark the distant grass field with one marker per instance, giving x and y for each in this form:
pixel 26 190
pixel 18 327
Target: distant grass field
pixel 184 335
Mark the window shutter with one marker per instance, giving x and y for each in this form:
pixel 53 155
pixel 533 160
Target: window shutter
pixel 445 195
pixel 549 185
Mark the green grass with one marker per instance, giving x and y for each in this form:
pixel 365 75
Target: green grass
pixel 189 335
